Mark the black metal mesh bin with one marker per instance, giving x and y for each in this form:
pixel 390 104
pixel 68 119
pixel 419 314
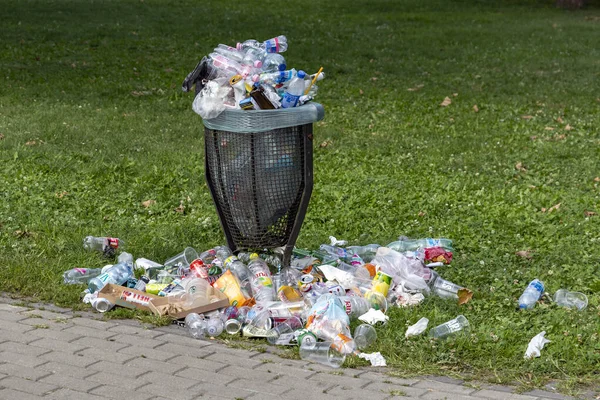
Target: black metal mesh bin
pixel 261 179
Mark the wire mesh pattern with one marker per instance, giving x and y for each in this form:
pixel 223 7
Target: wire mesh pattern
pixel 261 183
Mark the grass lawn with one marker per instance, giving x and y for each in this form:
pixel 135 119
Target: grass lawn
pixel 93 123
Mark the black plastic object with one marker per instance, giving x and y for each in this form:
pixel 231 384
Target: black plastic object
pixel 261 183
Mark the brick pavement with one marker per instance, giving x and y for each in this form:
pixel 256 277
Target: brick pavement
pixel 51 353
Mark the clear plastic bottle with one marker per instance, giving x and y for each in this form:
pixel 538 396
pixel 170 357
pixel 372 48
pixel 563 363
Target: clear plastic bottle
pixel 366 252
pixel 531 295
pixel 416 244
pixel 273 62
pixel 118 274
pixel 80 275
pixel 449 328
pixel 102 244
pixel 262 284
pixel 294 91
pixel 242 273
pixel 214 327
pixel 196 324
pixel 275 45
pixel 443 288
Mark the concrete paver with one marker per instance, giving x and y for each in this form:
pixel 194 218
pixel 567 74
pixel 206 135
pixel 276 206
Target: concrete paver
pixel 56 354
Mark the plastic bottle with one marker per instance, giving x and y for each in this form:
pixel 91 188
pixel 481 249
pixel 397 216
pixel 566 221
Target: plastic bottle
pixel 117 274
pixel 449 328
pixel 196 325
pixel 275 45
pixel 294 91
pixel 415 244
pixel 273 62
pixel 103 244
pixel 80 275
pixel 531 295
pixel 214 327
pixel 262 284
pixel 366 252
pixel 242 273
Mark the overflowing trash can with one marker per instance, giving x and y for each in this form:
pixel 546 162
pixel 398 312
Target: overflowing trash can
pixel 259 170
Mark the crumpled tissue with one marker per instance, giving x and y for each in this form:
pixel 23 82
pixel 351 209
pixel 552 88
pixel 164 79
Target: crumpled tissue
pixel 335 242
pixel 373 316
pixel 90 297
pixel 535 345
pixel 417 328
pixel 376 359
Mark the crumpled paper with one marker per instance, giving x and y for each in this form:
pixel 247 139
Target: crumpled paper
pixel 376 359
pixel 373 316
pixel 417 328
pixel 345 279
pixel 535 345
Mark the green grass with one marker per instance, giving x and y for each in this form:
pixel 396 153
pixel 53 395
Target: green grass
pixel 93 123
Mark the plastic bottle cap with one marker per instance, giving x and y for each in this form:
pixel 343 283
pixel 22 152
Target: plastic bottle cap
pixel 255 78
pixel 301 74
pixel 282 67
pixel 238 46
pixel 257 63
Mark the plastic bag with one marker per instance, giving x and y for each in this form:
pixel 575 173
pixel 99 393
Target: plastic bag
pixel 411 273
pixel 211 101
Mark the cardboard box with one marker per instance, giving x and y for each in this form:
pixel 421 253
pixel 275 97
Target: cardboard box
pixel 176 309
pixel 125 297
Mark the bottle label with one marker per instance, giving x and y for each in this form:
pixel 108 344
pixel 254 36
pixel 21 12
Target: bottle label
pixel 347 306
pixel 272 45
pixel 453 326
pixel 82 271
pixel 284 339
pixel 537 285
pixel 289 100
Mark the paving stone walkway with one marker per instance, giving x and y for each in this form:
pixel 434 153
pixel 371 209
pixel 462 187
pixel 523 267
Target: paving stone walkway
pixel 52 353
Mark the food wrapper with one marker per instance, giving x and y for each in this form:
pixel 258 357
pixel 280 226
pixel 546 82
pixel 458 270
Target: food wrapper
pixel 438 254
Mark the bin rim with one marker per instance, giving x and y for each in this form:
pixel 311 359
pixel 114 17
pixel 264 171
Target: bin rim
pixel 250 121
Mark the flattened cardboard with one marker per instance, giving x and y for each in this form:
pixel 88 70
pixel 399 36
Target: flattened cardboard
pixel 114 294
pixel 166 305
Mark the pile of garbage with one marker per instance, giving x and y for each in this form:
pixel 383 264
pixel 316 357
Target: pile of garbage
pixel 253 75
pixel 309 303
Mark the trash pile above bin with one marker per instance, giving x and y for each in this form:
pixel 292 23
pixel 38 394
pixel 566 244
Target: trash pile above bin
pixel 252 75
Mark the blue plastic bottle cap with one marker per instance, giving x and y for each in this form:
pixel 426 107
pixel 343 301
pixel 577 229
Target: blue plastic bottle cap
pixel 282 67
pixel 301 74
